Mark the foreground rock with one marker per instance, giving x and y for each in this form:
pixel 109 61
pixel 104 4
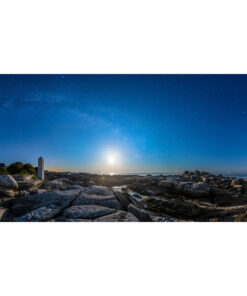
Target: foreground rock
pixel 8 182
pixel 3 213
pixel 42 206
pixel 123 198
pixel 87 212
pixel 7 201
pixel 63 219
pixel 190 210
pixel 119 216
pixel 39 215
pixel 72 197
pixel 8 192
pixel 56 184
pixel 28 182
pixel 141 214
pixel 8 186
pixel 108 201
pixel 165 219
pixel 98 190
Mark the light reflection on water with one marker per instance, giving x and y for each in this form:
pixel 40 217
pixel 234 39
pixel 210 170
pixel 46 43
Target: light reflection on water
pixel 136 174
pixel 163 174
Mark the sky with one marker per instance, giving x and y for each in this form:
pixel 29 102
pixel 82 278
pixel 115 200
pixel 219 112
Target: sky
pixel 125 123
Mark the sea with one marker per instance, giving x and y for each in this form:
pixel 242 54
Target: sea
pixel 166 174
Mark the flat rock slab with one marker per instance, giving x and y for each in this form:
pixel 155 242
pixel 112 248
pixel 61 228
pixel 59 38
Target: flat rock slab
pixel 64 219
pixel 38 215
pixel 99 190
pixel 51 200
pixel 55 184
pixel 119 216
pixel 86 212
pixel 69 192
pixel 75 187
pixel 108 201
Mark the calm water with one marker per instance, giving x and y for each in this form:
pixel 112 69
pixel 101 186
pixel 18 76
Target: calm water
pixel 166 174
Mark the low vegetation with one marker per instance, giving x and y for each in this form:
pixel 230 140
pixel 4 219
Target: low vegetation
pixel 18 168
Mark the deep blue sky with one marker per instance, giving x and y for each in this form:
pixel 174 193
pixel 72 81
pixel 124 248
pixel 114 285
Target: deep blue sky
pixel 144 122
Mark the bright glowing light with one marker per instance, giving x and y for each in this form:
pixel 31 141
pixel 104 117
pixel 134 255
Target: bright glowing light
pixel 111 160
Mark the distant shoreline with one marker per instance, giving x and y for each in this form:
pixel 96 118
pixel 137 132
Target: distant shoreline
pixel 239 175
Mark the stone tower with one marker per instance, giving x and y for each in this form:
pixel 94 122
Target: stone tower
pixel 41 174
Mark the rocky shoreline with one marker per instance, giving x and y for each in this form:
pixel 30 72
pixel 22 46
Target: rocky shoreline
pixel 81 197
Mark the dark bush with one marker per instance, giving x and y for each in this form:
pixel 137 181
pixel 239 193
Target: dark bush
pixel 18 168
pixel 15 168
pixel 29 168
pixel 3 171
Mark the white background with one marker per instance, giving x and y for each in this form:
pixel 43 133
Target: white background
pixel 123 37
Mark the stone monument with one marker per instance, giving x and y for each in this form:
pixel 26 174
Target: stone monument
pixel 41 174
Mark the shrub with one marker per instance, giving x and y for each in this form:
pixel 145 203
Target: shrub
pixel 18 168
pixel 29 168
pixel 15 168
pixel 3 171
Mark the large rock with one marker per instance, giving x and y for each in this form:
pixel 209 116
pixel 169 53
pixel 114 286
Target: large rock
pixel 20 178
pixel 75 187
pixel 100 190
pixel 170 183
pixel 23 193
pixel 64 219
pixel 108 201
pixel 193 189
pixel 50 200
pixel 236 182
pixel 164 219
pixel 245 186
pixel 55 184
pixel 140 214
pixel 123 198
pixel 8 192
pixel 70 192
pixel 223 197
pixel 39 191
pixel 39 215
pixel 3 213
pixel 8 182
pixel 199 189
pixel 86 212
pixel 188 210
pixel 29 184
pixel 173 179
pixel 119 216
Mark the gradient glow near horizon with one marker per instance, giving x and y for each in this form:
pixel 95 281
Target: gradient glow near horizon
pixel 128 123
